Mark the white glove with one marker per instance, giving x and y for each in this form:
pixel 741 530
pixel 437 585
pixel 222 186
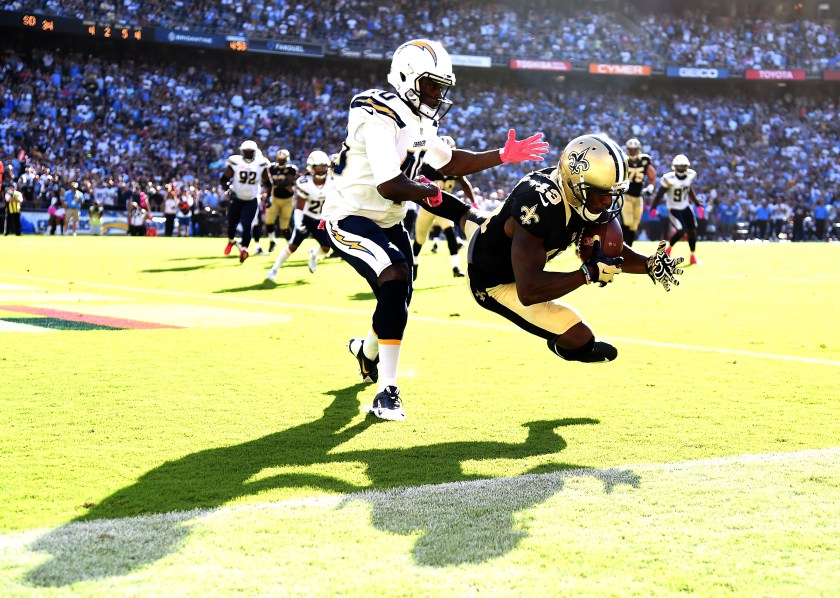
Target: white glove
pixel 647 190
pixel 600 268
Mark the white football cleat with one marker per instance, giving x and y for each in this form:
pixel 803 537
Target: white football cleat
pixel 313 260
pixel 388 405
pixel 272 274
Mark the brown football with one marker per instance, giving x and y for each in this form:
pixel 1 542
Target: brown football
pixel 612 239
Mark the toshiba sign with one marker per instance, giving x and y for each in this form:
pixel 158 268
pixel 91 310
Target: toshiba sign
pixel 774 75
pixel 540 65
pixel 620 69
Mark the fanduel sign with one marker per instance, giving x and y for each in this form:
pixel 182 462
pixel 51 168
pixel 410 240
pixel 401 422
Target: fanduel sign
pixel 697 72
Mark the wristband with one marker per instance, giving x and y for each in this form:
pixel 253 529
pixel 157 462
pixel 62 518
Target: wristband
pixel 585 271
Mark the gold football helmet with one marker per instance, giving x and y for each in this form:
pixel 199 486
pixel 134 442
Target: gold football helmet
pixel 593 166
pixel 282 155
pixel 634 146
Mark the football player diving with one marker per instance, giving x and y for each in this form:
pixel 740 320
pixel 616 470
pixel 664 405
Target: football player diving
pixel 389 135
pixel 543 215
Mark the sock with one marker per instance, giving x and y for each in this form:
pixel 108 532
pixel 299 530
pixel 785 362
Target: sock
pixel 371 346
pixel 271 236
pixel 389 358
pixel 456 261
pixel 416 248
pixel 284 255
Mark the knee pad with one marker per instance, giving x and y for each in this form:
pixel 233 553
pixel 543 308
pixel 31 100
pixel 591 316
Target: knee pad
pixel 592 352
pixel 391 314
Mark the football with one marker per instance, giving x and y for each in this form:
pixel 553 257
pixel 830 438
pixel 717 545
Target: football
pixel 612 239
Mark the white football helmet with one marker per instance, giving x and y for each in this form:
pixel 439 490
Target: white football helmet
pixel 448 141
pixel 318 165
pixel 680 164
pixel 249 150
pixel 418 59
pixel 592 162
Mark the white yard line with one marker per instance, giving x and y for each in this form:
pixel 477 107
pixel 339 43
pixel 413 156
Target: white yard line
pixel 457 322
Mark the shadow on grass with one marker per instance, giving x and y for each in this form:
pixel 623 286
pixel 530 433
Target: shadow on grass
pixel 265 285
pixel 462 517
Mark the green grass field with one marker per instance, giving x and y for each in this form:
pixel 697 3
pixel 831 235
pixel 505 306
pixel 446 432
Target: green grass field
pixel 224 451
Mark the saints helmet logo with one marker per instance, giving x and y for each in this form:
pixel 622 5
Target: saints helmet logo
pixel 578 161
pixel 529 215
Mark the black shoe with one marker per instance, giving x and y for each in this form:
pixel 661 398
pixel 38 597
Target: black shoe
pixel 367 367
pixel 414 272
pixel 271 246
pixel 434 247
pixel 388 405
pixel 456 272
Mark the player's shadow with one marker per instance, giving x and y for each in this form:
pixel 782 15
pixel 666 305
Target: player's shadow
pixel 265 285
pixel 181 268
pixel 419 488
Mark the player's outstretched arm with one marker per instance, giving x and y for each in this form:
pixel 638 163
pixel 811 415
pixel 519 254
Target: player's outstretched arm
pixel 465 162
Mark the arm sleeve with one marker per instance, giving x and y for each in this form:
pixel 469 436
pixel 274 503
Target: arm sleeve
pixel 438 153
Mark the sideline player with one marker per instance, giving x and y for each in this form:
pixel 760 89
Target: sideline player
pixel 244 175
pixel 389 135
pixel 310 193
pixel 639 167
pixel 426 220
pixel 679 195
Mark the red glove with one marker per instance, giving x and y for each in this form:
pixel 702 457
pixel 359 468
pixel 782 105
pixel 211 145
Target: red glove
pixel 527 149
pixel 433 200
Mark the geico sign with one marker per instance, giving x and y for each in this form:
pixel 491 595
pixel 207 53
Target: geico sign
pixel 619 69
pixel 699 73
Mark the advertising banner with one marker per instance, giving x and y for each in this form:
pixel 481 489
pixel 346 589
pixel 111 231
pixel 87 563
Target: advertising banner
pixel 637 70
pixel 774 75
pixel 540 65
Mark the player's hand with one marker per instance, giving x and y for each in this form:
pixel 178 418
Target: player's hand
pixel 600 268
pixel 664 269
pixel 647 190
pixel 433 200
pixel 526 149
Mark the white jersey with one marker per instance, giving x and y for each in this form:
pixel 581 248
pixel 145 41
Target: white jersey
pixel 306 188
pixel 384 137
pixel 676 189
pixel 247 176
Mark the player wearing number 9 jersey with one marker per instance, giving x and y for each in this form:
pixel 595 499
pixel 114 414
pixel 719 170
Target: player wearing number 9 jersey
pixel 676 188
pixel 389 135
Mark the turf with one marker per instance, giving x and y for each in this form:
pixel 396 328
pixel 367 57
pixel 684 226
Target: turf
pixel 226 453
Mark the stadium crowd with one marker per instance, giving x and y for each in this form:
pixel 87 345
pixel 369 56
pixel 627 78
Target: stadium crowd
pixel 131 129
pixel 758 36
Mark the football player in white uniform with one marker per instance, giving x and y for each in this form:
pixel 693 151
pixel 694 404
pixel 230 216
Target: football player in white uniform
pixel 389 135
pixel 310 193
pixel 245 173
pixel 679 195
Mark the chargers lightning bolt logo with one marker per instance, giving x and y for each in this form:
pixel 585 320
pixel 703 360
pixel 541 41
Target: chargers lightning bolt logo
pixel 578 161
pixel 423 46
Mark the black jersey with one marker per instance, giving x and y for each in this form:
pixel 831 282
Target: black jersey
pixel 637 167
pixel 537 205
pixel 445 182
pixel 282 180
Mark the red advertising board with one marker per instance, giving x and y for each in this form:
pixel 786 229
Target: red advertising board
pixel 774 75
pixel 540 65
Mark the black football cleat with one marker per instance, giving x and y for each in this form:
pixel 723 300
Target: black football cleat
pixel 388 405
pixel 456 272
pixel 367 367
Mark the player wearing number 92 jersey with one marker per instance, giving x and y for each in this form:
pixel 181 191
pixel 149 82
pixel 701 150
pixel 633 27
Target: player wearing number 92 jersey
pixel 247 181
